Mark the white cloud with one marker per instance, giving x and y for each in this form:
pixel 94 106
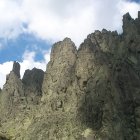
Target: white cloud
pixel 55 19
pixel 127 6
pixel 27 63
pixel 11 18
pixel 5 68
pixel 47 55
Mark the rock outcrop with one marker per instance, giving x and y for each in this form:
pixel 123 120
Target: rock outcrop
pixel 12 92
pixel 92 93
pixel 16 69
pixel 19 100
pixel 32 83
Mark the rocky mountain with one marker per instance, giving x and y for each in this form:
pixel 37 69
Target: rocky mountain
pixel 89 93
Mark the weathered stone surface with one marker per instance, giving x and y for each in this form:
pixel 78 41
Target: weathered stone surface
pixel 59 74
pixel 15 106
pixel 3 138
pixel 16 69
pixel 12 91
pixel 92 93
pixel 32 83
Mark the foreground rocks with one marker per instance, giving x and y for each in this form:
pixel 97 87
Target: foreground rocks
pixel 92 93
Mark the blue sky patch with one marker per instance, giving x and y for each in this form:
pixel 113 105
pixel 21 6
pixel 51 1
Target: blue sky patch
pixel 138 1
pixel 13 49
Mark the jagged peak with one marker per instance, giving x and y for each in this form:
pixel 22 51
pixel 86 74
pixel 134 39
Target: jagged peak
pixel 32 73
pixel 87 41
pixel 104 31
pixel 67 40
pixel 16 68
pixel 64 47
pixel 87 46
pixel 127 17
pixel 130 25
pixel 33 79
pixel 34 69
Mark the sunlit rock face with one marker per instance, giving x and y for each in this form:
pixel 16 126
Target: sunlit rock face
pixel 12 91
pixel 92 93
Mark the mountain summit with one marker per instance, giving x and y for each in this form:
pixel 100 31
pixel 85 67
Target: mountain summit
pixel 92 93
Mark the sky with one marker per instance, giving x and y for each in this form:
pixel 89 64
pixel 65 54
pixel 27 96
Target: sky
pixel 28 28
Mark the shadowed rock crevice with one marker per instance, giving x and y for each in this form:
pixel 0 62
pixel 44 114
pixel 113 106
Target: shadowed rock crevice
pixel 3 138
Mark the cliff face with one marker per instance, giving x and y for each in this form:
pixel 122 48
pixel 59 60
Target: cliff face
pixel 32 83
pixel 92 93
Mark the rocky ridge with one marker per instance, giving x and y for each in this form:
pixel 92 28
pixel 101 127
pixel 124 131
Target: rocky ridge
pixel 92 93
